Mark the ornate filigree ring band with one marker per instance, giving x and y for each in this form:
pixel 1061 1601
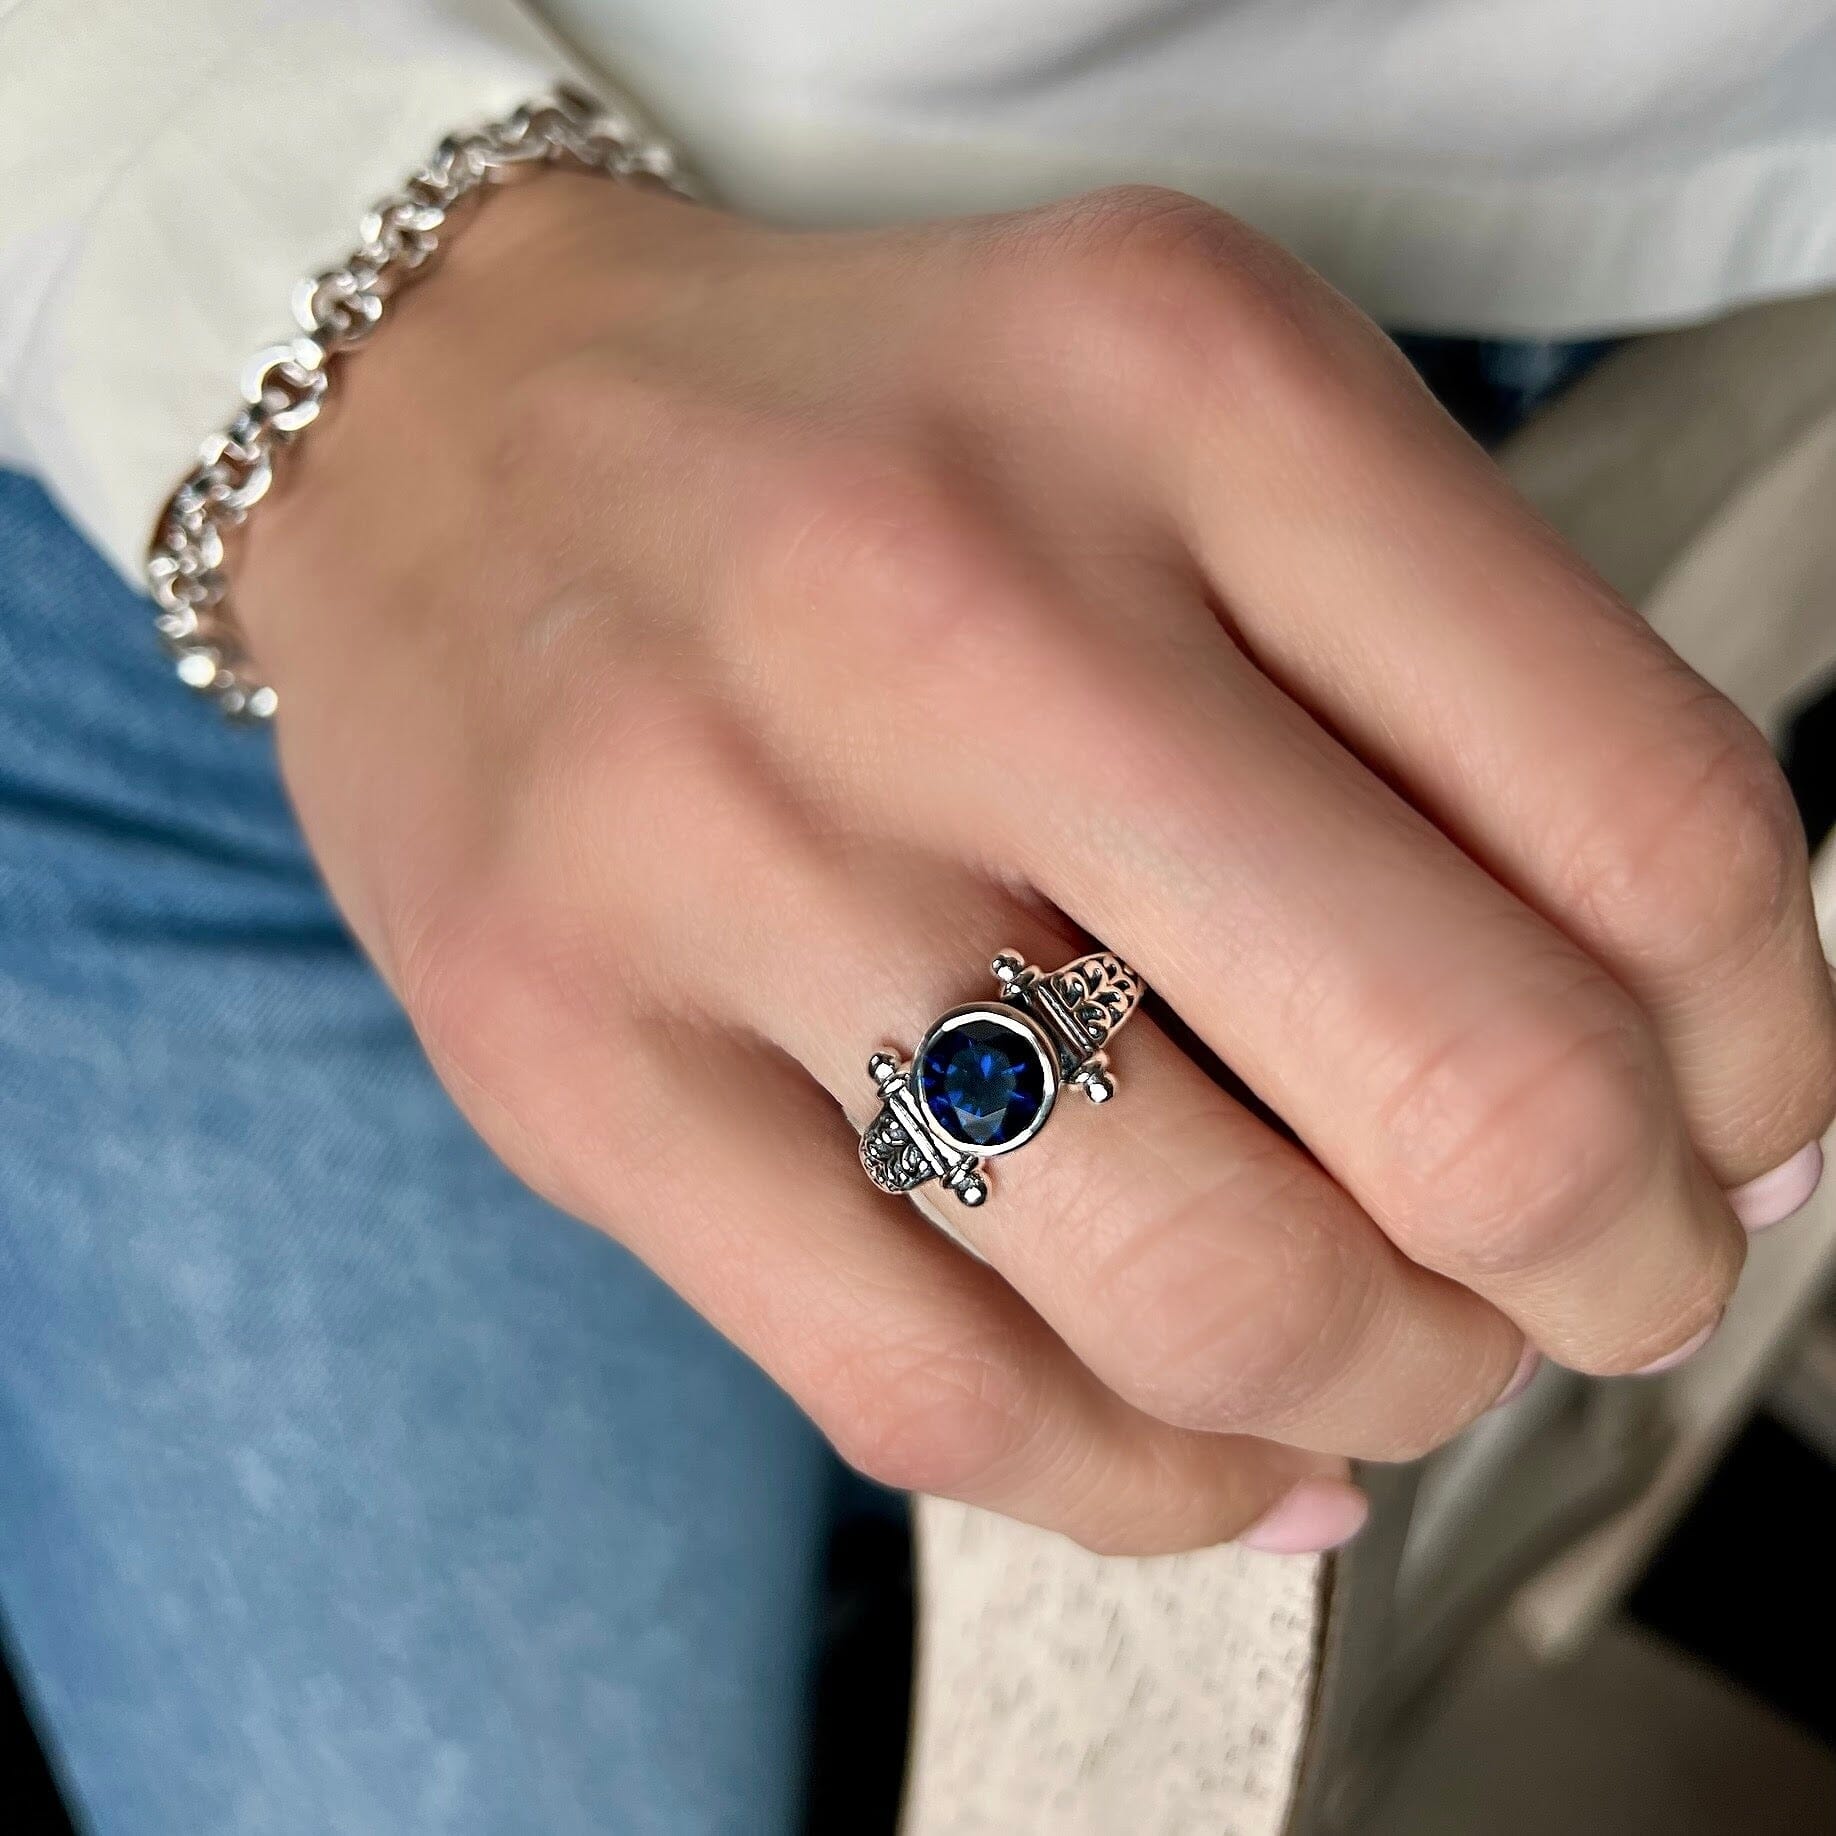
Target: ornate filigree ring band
pixel 985 1077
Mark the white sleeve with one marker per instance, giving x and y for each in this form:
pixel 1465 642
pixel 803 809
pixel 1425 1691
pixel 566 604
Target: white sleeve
pixel 168 170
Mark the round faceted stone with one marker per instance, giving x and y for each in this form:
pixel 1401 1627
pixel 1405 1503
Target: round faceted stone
pixel 984 1080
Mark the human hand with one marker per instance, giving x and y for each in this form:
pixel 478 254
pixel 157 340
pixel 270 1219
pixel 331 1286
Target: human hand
pixel 700 647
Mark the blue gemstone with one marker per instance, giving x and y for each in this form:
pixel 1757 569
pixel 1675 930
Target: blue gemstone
pixel 982 1083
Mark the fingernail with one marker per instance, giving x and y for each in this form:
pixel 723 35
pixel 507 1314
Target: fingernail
pixel 1521 1378
pixel 1318 1514
pixel 1774 1196
pixel 1682 1354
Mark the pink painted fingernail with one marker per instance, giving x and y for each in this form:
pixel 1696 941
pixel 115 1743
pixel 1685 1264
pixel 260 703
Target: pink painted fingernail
pixel 1521 1378
pixel 1682 1354
pixel 1774 1196
pixel 1318 1514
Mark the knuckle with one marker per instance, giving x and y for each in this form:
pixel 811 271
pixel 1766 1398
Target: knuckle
pixel 643 736
pixel 1506 1150
pixel 518 1017
pixel 921 1417
pixel 1227 1331
pixel 487 987
pixel 885 538
pixel 1705 857
pixel 1175 286
pixel 876 568
pixel 1145 228
pixel 461 973
pixel 644 761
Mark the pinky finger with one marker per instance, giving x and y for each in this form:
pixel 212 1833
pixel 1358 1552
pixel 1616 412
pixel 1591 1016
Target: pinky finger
pixel 921 1365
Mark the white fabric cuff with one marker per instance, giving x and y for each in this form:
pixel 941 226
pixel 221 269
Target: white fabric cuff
pixel 153 234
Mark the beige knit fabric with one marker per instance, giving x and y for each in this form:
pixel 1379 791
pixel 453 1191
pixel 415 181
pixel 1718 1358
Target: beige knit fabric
pixel 1067 1693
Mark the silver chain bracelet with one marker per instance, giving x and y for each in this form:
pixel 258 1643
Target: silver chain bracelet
pixel 285 385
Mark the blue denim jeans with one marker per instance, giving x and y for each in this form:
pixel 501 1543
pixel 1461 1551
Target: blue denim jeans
pixel 345 1488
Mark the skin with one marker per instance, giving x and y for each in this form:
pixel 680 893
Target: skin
pixel 702 646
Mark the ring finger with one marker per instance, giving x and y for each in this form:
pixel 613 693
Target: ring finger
pixel 922 1367
pixel 1200 1264
pixel 1475 1081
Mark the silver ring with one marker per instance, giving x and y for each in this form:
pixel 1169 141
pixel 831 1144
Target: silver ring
pixel 985 1077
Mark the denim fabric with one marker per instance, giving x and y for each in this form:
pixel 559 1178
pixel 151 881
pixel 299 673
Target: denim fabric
pixel 344 1487
pixel 1491 386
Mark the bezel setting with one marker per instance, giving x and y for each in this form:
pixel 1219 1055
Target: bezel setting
pixel 1062 1022
pixel 1016 1025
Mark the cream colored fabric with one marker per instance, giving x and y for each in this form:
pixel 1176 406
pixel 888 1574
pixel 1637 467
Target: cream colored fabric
pixel 1739 452
pixel 167 173
pixel 1533 167
pixel 1666 438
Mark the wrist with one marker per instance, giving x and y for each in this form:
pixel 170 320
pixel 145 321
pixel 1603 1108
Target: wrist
pixel 287 387
pixel 398 450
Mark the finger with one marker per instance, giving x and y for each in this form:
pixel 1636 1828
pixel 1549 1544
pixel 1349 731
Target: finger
pixel 1475 1081
pixel 1204 1267
pixel 1492 1098
pixel 1377 564
pixel 735 1178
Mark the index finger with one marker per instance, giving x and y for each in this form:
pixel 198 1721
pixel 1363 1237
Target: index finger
pixel 1379 567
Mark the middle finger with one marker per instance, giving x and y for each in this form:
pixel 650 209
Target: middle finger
pixel 1202 1265
pixel 1484 1090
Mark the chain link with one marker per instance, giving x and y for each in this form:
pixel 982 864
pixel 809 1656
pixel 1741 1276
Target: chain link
pixel 284 387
